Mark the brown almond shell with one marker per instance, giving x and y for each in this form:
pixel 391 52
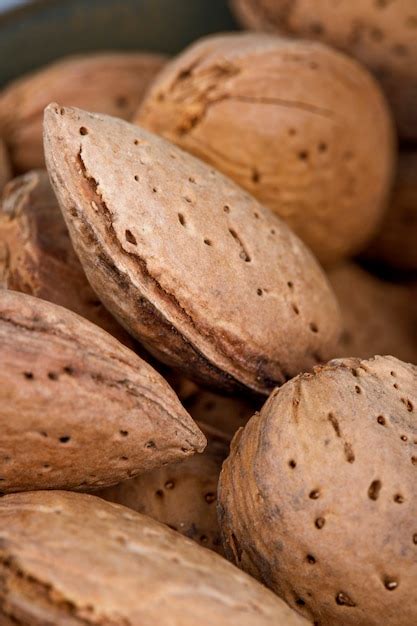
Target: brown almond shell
pixel 40 259
pixel 78 410
pixel 378 33
pixel 318 498
pixel 74 559
pixel 302 127
pixel 204 276
pixel 107 82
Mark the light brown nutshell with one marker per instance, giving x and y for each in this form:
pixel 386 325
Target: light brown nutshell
pixel 77 408
pixel 107 82
pixel 318 498
pixel 203 275
pixel 5 171
pixel 395 244
pixel 73 559
pixel 39 257
pixel 182 495
pixel 382 34
pixel 302 127
pixel 380 317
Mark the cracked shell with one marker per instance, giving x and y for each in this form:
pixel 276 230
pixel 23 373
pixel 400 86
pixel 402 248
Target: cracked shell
pixel 68 558
pixel 303 128
pixel 196 269
pixel 318 498
pixel 77 409
pixel 39 257
pixel 381 34
pixel 181 495
pixel 109 82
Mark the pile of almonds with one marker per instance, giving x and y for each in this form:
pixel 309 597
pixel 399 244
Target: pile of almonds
pixel 208 280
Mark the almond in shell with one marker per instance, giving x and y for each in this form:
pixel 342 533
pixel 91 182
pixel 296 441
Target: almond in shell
pixel 203 275
pixel 78 410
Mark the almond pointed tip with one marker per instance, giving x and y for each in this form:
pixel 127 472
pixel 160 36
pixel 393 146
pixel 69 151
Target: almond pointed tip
pixel 51 115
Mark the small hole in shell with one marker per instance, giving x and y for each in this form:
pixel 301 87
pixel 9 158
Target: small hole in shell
pixel 83 130
pixel 381 420
pixel 320 522
pixel 130 237
pixel 292 463
pixel 390 583
pixel 256 177
pixel 374 489
pixel 342 599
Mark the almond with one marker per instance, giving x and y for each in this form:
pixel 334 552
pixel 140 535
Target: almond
pixel 202 274
pixel 108 82
pixel 302 127
pixel 73 559
pixel 39 257
pixel 181 495
pixel 77 408
pixel 381 34
pixel 318 497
